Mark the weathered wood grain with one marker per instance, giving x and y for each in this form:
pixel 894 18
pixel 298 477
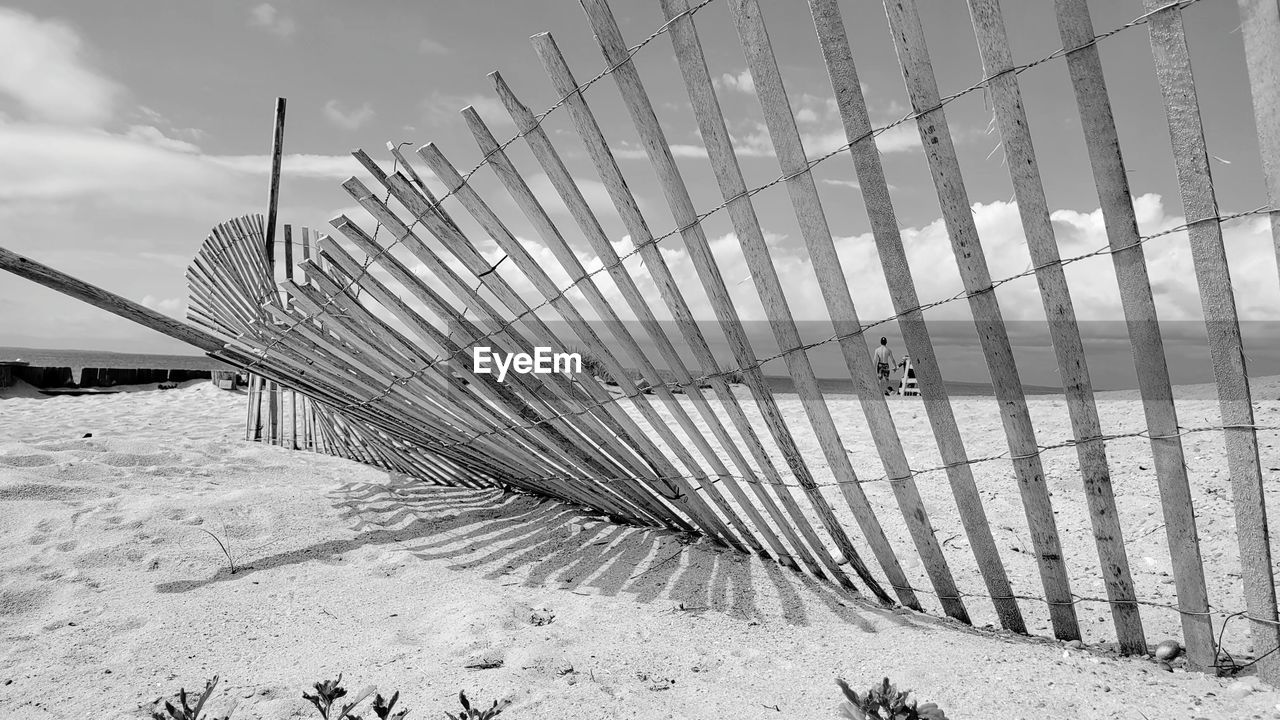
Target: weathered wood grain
pixel 1226 350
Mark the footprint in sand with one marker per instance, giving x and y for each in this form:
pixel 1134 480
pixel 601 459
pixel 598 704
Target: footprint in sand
pixel 66 445
pixel 43 491
pixel 26 461
pixel 19 601
pixel 119 459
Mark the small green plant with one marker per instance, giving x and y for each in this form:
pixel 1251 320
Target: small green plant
pixel 885 702
pixel 385 710
pixel 470 713
pixel 328 692
pixel 327 701
pixel 187 712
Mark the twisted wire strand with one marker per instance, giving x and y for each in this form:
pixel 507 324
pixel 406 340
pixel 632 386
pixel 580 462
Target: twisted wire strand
pixel 1018 69
pixel 838 337
pixel 913 473
pixel 538 120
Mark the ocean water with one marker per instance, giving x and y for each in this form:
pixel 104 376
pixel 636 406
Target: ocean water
pixel 844 386
pixel 76 359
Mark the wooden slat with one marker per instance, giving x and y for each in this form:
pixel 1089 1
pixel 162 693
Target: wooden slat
pixel 521 460
pixel 527 393
pixel 1226 349
pixel 1260 26
pixel 1064 331
pixel 672 295
pixel 809 213
pixel 273 191
pixel 605 423
pixel 474 416
pixel 587 222
pixel 297 351
pixel 44 275
pixel 602 158
pixel 550 234
pixel 922 86
pixel 691 501
pixel 659 152
pixel 288 251
pixel 617 430
pixel 902 291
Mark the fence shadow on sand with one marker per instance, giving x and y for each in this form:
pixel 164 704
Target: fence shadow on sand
pixel 522 539
pixel 517 539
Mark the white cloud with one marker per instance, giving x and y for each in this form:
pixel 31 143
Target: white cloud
pixel 742 81
pixel 268 18
pixel 444 107
pixel 842 183
pixel 594 191
pixel 753 141
pixel 348 119
pixel 43 163
pixel 173 307
pixel 427 46
pixel 900 138
pixel 337 167
pixel 44 72
pixel 1092 282
pixel 630 151
pixel 154 136
pixel 141 168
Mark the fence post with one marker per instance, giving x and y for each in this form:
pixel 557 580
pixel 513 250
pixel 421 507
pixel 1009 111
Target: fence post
pixel 1260 27
pixel 1226 348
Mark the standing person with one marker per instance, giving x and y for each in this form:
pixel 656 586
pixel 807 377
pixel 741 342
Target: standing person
pixel 885 362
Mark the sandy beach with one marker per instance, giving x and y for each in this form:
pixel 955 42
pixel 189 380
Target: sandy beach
pixel 112 593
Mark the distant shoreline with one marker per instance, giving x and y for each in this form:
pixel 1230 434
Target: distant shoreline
pixel 843 386
pixel 49 357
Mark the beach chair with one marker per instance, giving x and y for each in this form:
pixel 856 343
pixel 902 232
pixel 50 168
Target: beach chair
pixel 907 385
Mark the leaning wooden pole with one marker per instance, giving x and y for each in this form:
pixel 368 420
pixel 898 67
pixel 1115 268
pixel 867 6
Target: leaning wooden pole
pixel 1064 331
pixel 273 192
pixel 1222 322
pixel 43 274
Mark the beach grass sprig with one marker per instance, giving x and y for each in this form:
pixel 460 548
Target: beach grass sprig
pixel 186 711
pixel 328 692
pixel 472 713
pixel 885 702
pixel 329 701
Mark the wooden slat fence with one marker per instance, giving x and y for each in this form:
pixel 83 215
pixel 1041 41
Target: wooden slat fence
pixel 364 347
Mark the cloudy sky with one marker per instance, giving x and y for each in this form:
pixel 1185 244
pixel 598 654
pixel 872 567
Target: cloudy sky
pixel 129 128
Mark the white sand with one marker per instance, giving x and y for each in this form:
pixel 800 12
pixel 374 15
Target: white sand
pixel 111 595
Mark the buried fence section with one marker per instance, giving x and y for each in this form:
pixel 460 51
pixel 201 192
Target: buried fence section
pixel 363 350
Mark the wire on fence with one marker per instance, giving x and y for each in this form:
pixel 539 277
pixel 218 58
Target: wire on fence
pixel 466 177
pixel 262 353
pixel 699 381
